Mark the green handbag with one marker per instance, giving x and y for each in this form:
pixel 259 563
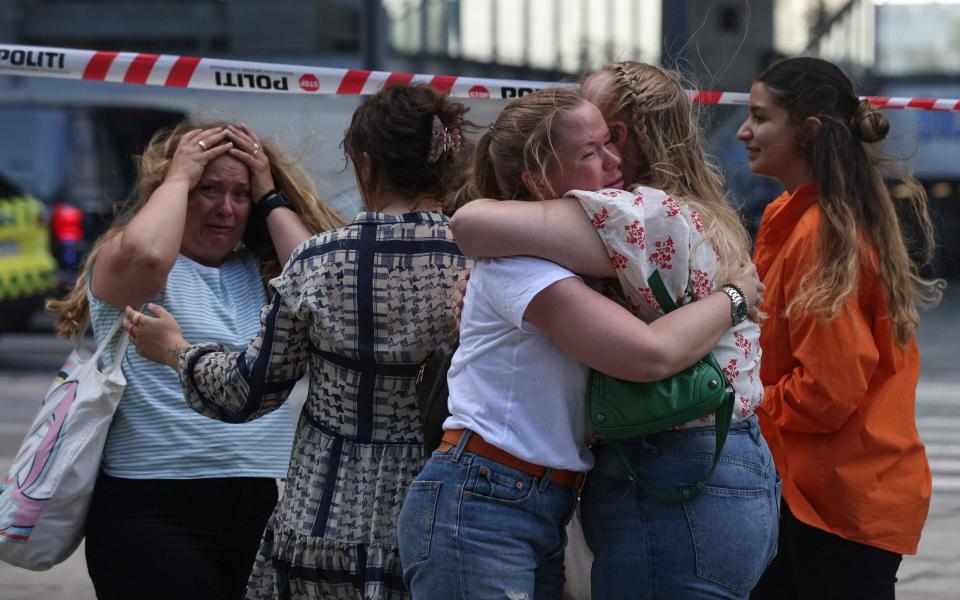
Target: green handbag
pixel 622 410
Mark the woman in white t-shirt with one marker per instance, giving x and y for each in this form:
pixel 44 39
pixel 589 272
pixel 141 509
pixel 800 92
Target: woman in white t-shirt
pixel 486 516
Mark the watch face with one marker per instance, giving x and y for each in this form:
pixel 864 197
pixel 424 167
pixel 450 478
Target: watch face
pixel 741 308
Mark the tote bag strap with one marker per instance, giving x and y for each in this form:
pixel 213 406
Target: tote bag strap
pixel 115 329
pixel 721 418
pixel 102 346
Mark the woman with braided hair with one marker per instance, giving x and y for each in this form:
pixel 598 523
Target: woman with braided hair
pixel 676 225
pixel 485 518
pixel 841 361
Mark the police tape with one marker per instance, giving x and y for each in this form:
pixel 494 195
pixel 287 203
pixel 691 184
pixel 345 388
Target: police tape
pixel 247 76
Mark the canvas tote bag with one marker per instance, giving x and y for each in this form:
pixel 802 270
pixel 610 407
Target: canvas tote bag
pixel 46 495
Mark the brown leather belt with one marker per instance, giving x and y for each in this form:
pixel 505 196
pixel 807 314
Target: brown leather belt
pixel 477 445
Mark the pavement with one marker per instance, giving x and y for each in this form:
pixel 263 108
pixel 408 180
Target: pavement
pixel 933 574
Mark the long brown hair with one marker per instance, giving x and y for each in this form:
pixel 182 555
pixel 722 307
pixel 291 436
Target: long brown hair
pixel 661 121
pixel 858 214
pixel 521 139
pixel 72 312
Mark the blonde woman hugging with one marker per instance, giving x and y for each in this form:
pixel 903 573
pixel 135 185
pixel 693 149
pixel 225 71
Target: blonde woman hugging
pixel 674 223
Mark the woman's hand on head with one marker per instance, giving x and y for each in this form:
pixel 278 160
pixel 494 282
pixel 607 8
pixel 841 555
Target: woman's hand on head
pixel 194 152
pixel 748 280
pixel 156 338
pixel 248 150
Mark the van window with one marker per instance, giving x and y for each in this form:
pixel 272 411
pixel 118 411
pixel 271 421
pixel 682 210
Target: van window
pixel 34 149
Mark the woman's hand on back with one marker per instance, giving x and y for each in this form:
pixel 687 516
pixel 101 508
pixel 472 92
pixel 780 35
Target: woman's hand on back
pixel 460 294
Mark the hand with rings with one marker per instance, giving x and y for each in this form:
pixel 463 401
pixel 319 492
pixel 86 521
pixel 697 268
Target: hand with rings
pixel 157 338
pixel 136 321
pixel 194 152
pixel 247 149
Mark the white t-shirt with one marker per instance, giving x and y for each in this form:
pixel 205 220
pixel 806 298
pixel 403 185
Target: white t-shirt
pixel 509 382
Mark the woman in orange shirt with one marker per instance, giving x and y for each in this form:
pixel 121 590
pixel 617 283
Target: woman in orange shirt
pixel 841 363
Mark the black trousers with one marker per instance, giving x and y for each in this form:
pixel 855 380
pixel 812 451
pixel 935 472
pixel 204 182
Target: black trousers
pixel 812 564
pixel 175 538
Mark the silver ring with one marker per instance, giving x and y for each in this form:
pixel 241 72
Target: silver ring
pixel 202 145
pixel 256 149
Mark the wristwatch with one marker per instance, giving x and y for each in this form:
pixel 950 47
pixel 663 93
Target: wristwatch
pixel 738 303
pixel 271 200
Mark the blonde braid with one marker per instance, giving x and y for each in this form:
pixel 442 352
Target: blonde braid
pixel 661 120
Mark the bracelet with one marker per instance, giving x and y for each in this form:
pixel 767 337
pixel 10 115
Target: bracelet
pixel 271 200
pixel 738 303
pixel 268 194
pixel 736 288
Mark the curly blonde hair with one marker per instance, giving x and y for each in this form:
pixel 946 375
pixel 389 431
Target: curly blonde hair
pixel 660 118
pixel 72 312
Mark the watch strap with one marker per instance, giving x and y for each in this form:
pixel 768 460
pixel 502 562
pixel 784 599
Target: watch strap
pixel 738 303
pixel 271 200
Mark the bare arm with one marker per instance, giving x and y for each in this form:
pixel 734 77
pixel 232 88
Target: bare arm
pixel 555 230
pixel 600 333
pixel 133 265
pixel 287 232
pixel 619 344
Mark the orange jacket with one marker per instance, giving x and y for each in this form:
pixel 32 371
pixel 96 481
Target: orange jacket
pixel 839 396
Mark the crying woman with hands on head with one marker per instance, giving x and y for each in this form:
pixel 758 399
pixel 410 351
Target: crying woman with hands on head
pixel 216 212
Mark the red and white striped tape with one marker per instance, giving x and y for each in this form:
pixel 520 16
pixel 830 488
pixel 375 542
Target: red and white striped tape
pixel 247 76
pixel 238 76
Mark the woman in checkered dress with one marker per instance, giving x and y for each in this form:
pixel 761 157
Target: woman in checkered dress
pixel 358 308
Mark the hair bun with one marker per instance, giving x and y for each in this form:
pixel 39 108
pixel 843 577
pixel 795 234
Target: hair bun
pixel 869 123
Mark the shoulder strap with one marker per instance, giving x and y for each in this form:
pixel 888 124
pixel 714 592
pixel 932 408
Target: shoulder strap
pixel 721 417
pixel 660 292
pixel 721 426
pixel 121 350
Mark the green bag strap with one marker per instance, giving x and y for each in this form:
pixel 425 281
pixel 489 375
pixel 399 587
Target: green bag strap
pixel 721 417
pixel 721 427
pixel 660 292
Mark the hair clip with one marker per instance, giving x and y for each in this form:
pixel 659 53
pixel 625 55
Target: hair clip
pixel 442 139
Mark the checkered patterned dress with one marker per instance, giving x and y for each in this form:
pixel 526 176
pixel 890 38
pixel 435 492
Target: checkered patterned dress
pixel 358 308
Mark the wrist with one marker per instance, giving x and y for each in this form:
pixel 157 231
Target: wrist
pixel 180 184
pixel 173 355
pixel 268 202
pixel 738 303
pixel 270 192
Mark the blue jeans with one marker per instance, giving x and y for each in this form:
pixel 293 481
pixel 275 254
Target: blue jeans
pixel 713 546
pixel 472 527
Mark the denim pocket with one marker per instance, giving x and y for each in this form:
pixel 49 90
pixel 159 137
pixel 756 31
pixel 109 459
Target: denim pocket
pixel 488 481
pixel 415 525
pixel 731 531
